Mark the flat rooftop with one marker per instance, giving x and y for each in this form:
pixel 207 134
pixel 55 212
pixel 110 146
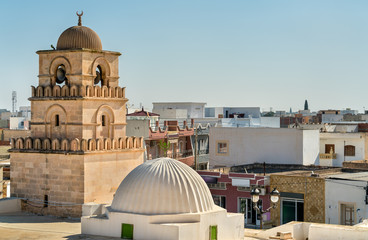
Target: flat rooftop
pixel 289 170
pixel 22 225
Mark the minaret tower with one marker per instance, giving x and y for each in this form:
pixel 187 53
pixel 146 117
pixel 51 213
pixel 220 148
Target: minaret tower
pixel 78 151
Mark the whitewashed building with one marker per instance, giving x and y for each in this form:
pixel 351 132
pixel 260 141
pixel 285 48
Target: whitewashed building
pixel 179 110
pixel 337 147
pixel 346 197
pixel 229 112
pixel 164 199
pixel 238 146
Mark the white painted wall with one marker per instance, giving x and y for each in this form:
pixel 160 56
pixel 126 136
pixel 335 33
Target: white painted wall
pixel 356 139
pixel 137 127
pixel 193 110
pixel 253 112
pixel 168 227
pixel 8 189
pixel 171 113
pixel 272 122
pixel 342 191
pixel 311 147
pixel 317 231
pixel 15 122
pixel 8 205
pixel 270 145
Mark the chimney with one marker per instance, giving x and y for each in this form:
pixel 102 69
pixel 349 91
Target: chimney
pixel 192 122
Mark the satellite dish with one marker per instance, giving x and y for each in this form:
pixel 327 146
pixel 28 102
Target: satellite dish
pixel 60 75
pixel 98 77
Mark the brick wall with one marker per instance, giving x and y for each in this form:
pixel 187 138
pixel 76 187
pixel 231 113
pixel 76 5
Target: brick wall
pixel 313 189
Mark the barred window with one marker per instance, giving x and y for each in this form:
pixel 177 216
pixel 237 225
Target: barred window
pixel 349 150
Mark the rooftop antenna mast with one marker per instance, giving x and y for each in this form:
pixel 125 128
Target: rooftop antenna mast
pixel 14 103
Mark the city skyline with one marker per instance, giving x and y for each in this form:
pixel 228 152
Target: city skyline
pixel 238 53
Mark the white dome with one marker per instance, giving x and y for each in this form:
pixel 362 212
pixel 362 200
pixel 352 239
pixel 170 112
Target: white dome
pixel 163 186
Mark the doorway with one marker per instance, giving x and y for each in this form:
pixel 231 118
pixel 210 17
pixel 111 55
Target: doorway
pixel 251 217
pixel 292 209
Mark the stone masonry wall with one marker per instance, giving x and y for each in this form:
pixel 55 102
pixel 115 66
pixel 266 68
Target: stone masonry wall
pixel 104 171
pixel 313 189
pixel 59 177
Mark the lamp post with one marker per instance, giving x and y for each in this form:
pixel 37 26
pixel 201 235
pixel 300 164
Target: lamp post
pixel 274 196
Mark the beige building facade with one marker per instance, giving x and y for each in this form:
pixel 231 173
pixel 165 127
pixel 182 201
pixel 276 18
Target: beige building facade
pixel 78 151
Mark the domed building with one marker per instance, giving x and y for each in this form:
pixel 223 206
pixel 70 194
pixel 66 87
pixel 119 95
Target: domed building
pixel 164 199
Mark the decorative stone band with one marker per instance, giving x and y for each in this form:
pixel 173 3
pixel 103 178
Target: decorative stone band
pixel 74 146
pixel 78 91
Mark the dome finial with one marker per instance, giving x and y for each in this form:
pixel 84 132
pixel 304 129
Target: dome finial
pixel 79 18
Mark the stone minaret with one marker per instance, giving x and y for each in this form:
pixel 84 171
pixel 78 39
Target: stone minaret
pixel 78 151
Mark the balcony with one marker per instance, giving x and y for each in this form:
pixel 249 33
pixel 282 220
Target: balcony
pixel 327 156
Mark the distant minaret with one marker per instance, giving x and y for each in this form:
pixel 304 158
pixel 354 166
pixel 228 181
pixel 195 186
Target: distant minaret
pixel 14 103
pixel 306 105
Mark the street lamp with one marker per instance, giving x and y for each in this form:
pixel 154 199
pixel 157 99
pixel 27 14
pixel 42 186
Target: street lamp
pixel 274 196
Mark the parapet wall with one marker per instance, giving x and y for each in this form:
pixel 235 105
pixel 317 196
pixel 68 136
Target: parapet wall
pixel 76 145
pixel 77 91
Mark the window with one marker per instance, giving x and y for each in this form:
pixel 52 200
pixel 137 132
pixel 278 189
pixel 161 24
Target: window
pixel 127 231
pixel 103 120
pixel 181 147
pixel 219 185
pixel 213 232
pixel 222 148
pixel 219 200
pixel 349 150
pixel 329 147
pixel 57 120
pixel 347 214
pixel 46 201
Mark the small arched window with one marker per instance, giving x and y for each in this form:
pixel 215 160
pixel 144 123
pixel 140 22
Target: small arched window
pixel 349 150
pixel 103 120
pixel 57 120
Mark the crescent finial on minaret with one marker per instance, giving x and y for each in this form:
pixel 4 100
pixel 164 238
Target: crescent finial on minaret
pixel 80 18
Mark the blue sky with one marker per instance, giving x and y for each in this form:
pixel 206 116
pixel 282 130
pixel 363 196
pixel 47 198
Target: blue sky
pixel 234 53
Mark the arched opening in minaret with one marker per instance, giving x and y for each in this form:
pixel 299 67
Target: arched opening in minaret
pixel 100 79
pixel 60 75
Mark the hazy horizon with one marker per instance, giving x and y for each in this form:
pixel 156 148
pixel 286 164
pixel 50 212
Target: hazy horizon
pixel 225 53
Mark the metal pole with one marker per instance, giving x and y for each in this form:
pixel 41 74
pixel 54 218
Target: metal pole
pixel 261 225
pixel 195 149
